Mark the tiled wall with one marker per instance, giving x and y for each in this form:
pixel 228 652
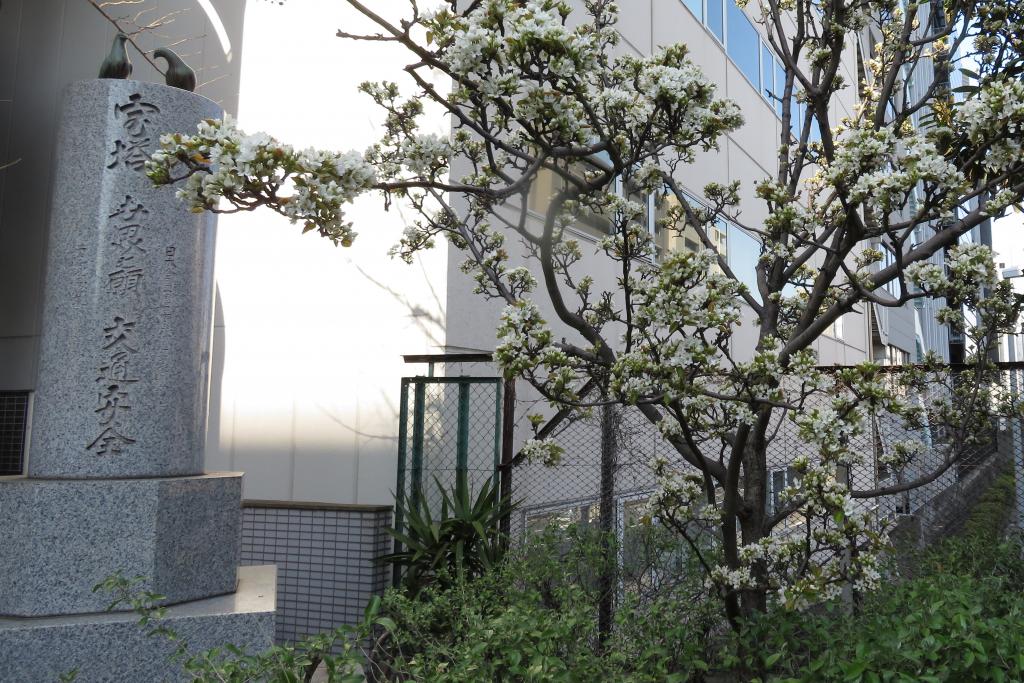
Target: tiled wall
pixel 13 422
pixel 325 556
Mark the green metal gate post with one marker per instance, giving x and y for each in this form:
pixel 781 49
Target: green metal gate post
pixel 418 408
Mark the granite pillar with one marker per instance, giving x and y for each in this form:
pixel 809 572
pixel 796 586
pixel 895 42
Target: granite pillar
pixel 115 472
pixel 129 289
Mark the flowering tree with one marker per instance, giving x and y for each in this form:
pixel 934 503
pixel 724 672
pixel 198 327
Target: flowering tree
pixel 533 92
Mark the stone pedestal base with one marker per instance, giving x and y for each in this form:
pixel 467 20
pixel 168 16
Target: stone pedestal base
pixel 62 537
pixel 111 647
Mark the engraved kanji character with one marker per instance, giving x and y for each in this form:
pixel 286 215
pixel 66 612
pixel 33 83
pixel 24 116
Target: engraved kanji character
pixel 111 401
pixel 116 369
pixel 129 210
pixel 120 334
pixel 132 154
pixel 124 280
pixel 127 239
pixel 136 114
pixel 110 442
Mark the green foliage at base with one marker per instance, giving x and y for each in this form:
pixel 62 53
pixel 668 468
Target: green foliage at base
pixel 338 654
pixel 961 619
pixel 531 616
pixel 535 619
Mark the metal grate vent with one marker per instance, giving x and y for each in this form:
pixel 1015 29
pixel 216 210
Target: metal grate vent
pixel 13 422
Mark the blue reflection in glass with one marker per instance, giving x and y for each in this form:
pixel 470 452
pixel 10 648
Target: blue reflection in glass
pixel 780 87
pixel 716 18
pixel 697 7
pixel 743 42
pixel 744 252
pixel 767 71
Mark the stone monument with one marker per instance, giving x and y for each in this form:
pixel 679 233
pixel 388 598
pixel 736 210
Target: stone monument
pixel 115 470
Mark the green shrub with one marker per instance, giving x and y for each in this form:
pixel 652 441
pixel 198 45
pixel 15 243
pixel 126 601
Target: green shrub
pixel 531 616
pixel 961 619
pixel 534 618
pixel 462 543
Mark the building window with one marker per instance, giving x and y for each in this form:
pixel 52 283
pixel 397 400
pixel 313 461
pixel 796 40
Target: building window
pixel 13 426
pixel 751 55
pixel 715 18
pixel 894 355
pixel 632 193
pixel 651 556
pixel 669 240
pixel 743 43
pixel 892 287
pixel 744 253
pixel 582 515
pixel 778 481
pixel 697 7
pixel 937 18
pixel 546 185
pixel 837 328
pixel 767 71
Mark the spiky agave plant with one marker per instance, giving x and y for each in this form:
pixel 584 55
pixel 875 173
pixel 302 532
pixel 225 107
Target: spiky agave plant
pixel 462 542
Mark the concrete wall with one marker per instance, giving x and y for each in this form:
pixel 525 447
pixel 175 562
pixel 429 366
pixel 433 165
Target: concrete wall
pixel 309 335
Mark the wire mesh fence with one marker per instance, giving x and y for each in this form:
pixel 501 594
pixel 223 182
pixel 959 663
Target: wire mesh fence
pixel 952 470
pixel 447 426
pixel 920 478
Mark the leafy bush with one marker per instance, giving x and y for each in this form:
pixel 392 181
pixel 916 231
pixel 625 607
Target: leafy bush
pixel 956 621
pixel 531 615
pixel 534 618
pixel 462 543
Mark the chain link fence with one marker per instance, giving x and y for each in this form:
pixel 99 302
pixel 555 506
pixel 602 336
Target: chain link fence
pixel 453 425
pixel 447 426
pixel 570 491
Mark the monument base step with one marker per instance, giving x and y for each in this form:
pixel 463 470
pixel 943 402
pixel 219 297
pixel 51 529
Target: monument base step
pixel 110 647
pixel 61 537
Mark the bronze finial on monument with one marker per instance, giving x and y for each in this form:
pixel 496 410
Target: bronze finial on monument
pixel 117 64
pixel 178 74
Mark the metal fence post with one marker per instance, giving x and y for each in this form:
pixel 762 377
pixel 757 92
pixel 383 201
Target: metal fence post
pixel 417 442
pixel 508 427
pixel 1016 444
pixel 400 498
pixel 462 437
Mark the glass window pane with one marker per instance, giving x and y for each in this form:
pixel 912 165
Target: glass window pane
pixel 767 70
pixel 815 135
pixel 796 116
pixel 671 238
pixel 543 188
pixel 743 42
pixel 716 18
pixel 744 252
pixel 697 7
pixel 635 194
pixel 780 86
